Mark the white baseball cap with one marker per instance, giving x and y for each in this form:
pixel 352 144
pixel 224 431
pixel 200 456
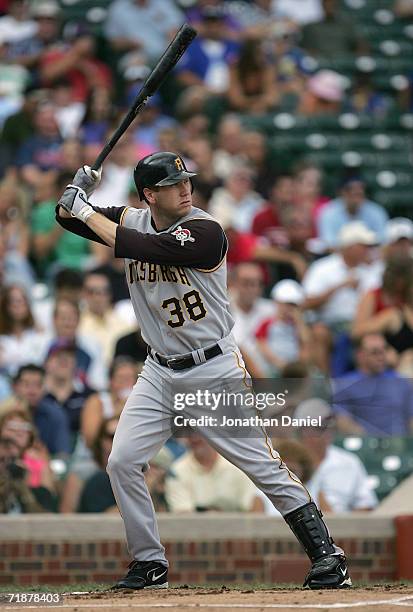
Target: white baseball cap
pixel 314 408
pixel 327 85
pixel 288 291
pixel 397 228
pixel 356 232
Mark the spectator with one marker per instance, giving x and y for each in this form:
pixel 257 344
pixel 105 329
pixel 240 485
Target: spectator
pixel 19 127
pixel 156 476
pixel 298 231
pixel 266 222
pixel 108 404
pixel 73 58
pixel 39 157
pixel 97 119
pixel 62 388
pixel 89 366
pixel 16 25
pixel 300 11
pixel 403 8
pixel 334 35
pixel 339 482
pixel 28 51
pixel 237 199
pixel 205 66
pixel 203 481
pixel 333 287
pixel 380 310
pixel 52 247
pixel 13 220
pixel 114 269
pixel 352 205
pixel 16 497
pixel 99 320
pixel 252 86
pixel 205 181
pixel 307 188
pixel 255 154
pixel 131 345
pixel 249 309
pixel 17 426
pixel 13 81
pixel 323 94
pixel 114 187
pixel 97 495
pixel 143 25
pixel 20 341
pixel 284 338
pixel 364 97
pixel 49 418
pixel 300 463
pixel 373 400
pixel 229 149
pixel 67 285
pixel 243 246
pixel 398 241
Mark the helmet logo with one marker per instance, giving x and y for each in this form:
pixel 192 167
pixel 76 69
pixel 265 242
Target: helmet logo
pixel 179 164
pixel 183 235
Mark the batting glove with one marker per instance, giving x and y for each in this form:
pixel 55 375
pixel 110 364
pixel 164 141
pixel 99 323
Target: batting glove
pixel 74 201
pixel 87 179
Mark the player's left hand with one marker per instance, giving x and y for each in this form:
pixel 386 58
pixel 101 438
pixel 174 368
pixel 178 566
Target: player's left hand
pixel 87 179
pixel 74 201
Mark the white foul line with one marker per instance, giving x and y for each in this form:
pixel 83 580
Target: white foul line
pixel 398 601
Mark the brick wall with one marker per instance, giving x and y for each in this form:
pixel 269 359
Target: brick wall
pixel 201 549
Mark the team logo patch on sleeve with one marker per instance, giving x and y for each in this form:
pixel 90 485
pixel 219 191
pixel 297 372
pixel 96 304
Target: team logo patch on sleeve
pixel 183 235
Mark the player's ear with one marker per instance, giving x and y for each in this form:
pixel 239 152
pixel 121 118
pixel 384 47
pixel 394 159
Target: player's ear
pixel 149 195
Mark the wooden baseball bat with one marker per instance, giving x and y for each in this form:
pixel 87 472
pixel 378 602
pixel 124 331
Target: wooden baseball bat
pixel 169 59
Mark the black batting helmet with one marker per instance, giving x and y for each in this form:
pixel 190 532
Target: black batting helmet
pixel 159 170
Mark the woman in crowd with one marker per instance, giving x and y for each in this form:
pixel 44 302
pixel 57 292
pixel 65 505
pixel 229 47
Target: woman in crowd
pixel 252 82
pixel 20 341
pixel 110 403
pixel 17 426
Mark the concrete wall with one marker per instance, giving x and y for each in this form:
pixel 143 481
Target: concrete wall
pixel 201 548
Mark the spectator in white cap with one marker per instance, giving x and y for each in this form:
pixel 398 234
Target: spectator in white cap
pixel 398 239
pixel 333 286
pixel 285 337
pixel 324 93
pixel 339 482
pixel 351 205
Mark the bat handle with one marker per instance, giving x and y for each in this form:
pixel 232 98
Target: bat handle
pixel 101 157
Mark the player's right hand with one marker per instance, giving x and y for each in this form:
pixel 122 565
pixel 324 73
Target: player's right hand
pixel 87 179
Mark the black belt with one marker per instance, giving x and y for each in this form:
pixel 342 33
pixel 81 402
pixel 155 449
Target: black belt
pixel 182 363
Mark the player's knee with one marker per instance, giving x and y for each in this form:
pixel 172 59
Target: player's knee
pixel 121 461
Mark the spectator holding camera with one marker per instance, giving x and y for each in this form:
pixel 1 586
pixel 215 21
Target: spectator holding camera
pixel 17 425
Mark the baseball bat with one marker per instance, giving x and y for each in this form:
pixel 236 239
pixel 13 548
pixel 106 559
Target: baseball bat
pixel 167 61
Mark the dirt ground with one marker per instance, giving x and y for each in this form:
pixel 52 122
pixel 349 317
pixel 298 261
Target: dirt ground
pixel 383 598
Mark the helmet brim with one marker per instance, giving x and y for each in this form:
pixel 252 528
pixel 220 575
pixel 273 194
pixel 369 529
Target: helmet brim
pixel 175 178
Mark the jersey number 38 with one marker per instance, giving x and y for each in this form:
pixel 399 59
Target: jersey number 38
pixel 190 303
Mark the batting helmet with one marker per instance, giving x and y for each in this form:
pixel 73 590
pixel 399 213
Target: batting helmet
pixel 159 170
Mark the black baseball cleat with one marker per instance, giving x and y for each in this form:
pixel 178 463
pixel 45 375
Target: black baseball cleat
pixel 329 573
pixel 144 575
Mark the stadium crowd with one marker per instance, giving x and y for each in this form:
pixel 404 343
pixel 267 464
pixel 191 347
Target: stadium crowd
pixel 320 278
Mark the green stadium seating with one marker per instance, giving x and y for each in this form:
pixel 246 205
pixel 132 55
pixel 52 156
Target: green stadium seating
pixel 387 460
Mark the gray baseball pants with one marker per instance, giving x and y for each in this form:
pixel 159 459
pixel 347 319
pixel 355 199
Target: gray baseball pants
pixel 147 422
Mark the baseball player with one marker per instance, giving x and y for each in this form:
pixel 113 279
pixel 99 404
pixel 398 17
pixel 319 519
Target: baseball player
pixel 176 271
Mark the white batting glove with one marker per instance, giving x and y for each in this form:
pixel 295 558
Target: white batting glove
pixel 87 179
pixel 74 201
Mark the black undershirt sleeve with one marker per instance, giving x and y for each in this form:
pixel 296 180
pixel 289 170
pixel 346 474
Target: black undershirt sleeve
pixel 113 213
pixel 205 248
